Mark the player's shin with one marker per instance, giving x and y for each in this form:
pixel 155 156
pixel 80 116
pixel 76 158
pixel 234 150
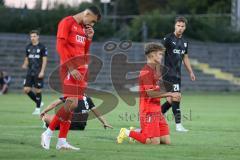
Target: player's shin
pixel 38 99
pixel 32 95
pixel 165 107
pixel 64 128
pixel 54 123
pixel 176 111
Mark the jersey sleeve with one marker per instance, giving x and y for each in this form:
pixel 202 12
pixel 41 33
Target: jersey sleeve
pixel 27 51
pixel 90 103
pixel 165 41
pixel 63 29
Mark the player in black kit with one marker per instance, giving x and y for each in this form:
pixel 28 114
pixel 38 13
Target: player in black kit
pixel 35 62
pixel 176 53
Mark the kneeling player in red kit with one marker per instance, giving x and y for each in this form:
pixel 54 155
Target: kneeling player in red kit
pixel 154 128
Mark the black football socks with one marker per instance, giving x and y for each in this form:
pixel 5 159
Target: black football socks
pixel 32 95
pixel 176 111
pixel 165 107
pixel 38 99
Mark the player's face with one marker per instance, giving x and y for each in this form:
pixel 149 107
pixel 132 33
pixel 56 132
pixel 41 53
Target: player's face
pixel 157 57
pixel 90 19
pixel 34 38
pixel 180 28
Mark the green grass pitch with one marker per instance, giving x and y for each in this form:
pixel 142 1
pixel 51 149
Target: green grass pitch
pixel 213 121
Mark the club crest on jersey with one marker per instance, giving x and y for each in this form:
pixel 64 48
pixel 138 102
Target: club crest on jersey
pixel 75 28
pixel 80 39
pixel 185 44
pixel 38 50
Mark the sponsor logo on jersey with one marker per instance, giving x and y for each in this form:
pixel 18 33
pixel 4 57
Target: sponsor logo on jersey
pixel 80 39
pixel 84 111
pixel 178 51
pixel 33 56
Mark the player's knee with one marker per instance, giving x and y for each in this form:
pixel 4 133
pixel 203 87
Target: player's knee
pixel 38 90
pixel 167 142
pixel 26 90
pixel 148 141
pixel 155 141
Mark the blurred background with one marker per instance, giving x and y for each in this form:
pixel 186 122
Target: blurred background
pixel 213 32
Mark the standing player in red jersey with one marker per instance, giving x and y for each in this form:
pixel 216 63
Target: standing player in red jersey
pixel 74 37
pixel 154 128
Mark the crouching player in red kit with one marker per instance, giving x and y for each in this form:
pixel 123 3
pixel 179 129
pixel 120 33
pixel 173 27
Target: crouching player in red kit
pixel 154 128
pixel 74 37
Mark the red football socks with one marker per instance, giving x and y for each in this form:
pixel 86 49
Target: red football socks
pixel 138 136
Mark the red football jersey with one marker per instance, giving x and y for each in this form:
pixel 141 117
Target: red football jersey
pixel 148 79
pixel 76 42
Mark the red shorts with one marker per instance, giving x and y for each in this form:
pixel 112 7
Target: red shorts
pixel 154 125
pixel 75 88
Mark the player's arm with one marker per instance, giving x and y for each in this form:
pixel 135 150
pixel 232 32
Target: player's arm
pixel 25 63
pixel 5 86
pixel 51 106
pixel 89 34
pixel 187 65
pixel 152 89
pixel 159 72
pixel 44 65
pixel 62 48
pixel 157 94
pixel 101 118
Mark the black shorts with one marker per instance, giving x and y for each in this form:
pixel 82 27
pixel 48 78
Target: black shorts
pixel 172 84
pixel 33 81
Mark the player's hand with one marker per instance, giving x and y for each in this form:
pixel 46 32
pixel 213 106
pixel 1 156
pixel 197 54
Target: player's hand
pixel 105 125
pixel 176 95
pixel 89 32
pixel 192 76
pixel 42 115
pixel 76 74
pixel 41 75
pixel 24 66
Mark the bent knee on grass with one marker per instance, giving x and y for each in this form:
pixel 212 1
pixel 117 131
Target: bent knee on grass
pixel 26 90
pixel 165 140
pixel 37 90
pixel 153 141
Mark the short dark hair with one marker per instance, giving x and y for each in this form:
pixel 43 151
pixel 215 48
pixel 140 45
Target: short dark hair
pixel 34 31
pixel 95 10
pixel 181 19
pixel 153 47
